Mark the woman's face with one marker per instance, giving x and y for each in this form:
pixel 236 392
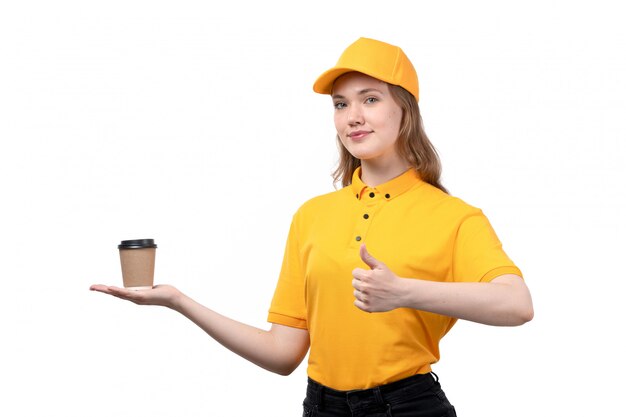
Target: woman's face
pixel 367 118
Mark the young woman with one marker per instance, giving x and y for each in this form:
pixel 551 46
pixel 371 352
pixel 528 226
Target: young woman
pixel 376 273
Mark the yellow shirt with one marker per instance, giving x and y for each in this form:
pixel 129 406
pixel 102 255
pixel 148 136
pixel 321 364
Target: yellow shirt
pixel 418 231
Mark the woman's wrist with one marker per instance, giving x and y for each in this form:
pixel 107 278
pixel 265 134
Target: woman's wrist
pixel 408 292
pixel 177 301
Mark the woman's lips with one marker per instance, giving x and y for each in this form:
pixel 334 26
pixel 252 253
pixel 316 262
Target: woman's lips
pixel 358 135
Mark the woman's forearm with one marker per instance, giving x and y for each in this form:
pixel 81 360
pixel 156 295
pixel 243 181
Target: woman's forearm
pixel 505 301
pixel 279 350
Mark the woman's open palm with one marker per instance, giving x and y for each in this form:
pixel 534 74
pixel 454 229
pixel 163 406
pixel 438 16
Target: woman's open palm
pixel 161 295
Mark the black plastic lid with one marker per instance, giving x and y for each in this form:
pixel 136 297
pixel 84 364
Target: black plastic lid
pixel 137 244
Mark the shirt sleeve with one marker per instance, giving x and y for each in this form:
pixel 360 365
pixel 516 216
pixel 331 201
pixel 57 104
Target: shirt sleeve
pixel 288 305
pixel 478 254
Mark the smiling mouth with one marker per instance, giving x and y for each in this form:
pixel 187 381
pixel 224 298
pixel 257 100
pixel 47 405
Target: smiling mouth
pixel 358 135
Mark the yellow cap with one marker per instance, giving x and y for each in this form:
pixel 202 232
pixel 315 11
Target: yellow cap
pixel 374 58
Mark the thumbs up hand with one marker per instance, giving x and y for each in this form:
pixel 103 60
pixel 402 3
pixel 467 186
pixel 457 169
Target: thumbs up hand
pixel 377 289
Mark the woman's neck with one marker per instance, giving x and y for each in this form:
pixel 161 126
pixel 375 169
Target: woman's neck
pixel 374 174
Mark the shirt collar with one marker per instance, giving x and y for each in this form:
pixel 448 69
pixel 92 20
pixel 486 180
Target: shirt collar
pixel 388 190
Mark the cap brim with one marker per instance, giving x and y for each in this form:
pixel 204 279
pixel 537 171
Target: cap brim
pixel 324 83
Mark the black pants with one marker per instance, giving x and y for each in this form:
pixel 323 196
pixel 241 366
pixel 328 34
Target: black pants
pixel 417 396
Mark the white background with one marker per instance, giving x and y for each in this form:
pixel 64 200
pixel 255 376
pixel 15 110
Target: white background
pixel 194 123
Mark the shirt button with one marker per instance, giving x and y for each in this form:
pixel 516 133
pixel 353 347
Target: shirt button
pixel 372 195
pixel 357 196
pixel 366 216
pixel 387 196
pixel 358 238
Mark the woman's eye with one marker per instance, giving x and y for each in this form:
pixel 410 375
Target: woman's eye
pixel 371 100
pixel 339 105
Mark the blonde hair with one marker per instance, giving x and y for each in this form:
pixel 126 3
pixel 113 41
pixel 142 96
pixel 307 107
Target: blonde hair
pixel 412 144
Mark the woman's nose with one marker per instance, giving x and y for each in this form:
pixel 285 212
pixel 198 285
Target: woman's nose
pixel 355 115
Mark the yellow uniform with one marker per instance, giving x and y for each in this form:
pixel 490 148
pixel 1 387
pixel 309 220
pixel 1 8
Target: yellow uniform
pixel 418 231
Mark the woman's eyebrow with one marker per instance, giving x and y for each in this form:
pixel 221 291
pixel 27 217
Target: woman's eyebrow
pixel 360 93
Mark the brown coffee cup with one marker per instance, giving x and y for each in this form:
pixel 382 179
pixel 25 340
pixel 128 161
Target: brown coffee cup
pixel 137 258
